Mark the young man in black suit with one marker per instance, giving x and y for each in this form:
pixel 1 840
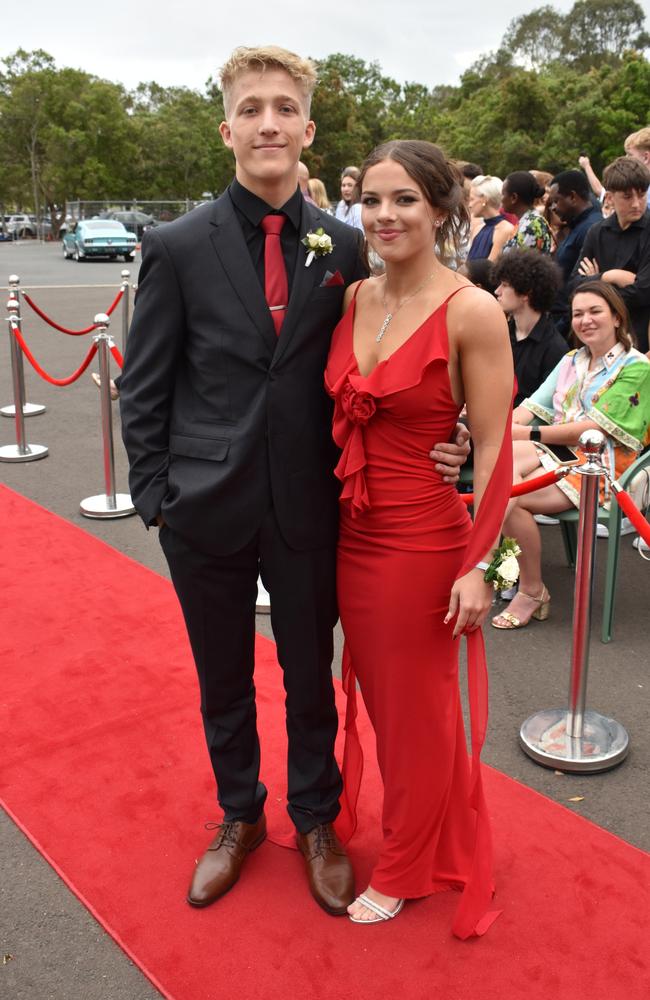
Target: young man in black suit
pixel 228 431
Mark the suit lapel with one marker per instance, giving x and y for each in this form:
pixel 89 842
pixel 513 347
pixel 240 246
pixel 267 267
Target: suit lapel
pixel 228 241
pixel 305 279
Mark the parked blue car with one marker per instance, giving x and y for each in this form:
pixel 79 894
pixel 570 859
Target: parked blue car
pixel 99 238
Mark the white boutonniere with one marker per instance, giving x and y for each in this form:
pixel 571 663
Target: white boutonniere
pixel 503 571
pixel 317 245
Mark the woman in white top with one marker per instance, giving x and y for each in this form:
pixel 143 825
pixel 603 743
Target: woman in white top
pixel 348 209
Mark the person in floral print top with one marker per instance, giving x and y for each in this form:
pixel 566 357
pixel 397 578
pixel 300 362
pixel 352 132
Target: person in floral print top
pixel 519 194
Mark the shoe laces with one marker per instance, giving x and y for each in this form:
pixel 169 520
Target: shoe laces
pixel 227 835
pixel 324 839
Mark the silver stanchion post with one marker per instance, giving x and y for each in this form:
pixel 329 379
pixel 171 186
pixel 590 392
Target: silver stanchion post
pixel 109 504
pixel 29 409
pixel 21 451
pixel 125 307
pixel 578 740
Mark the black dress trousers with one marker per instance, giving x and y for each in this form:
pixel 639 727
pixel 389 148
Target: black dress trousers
pixel 218 595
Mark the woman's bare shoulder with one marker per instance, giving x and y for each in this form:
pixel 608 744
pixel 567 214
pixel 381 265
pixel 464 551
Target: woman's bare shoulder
pixel 361 290
pixel 476 311
pixel 473 302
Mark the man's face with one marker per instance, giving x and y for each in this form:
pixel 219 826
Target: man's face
pixel 267 128
pixel 564 205
pixel 629 206
pixel 642 155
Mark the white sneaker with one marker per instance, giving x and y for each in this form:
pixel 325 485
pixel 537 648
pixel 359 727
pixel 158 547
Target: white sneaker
pixel 641 545
pixel 545 519
pixel 627 528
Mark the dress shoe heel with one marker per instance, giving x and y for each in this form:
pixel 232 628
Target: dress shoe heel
pixel 542 612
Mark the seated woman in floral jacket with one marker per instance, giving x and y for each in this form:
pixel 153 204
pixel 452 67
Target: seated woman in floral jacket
pixel 605 384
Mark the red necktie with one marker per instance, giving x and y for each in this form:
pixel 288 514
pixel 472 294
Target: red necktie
pixel 276 288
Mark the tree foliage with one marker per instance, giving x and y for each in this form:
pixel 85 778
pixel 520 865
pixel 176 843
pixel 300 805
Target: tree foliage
pixel 558 85
pixel 593 32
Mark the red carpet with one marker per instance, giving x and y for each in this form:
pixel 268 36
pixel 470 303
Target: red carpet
pixel 105 771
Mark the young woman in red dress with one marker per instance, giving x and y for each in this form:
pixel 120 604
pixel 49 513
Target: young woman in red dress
pixel 413 348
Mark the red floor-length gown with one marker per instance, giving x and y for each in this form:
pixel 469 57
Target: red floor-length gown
pixel 405 536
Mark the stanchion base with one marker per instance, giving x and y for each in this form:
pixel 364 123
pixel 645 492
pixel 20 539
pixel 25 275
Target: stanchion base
pixel 603 745
pixel 99 506
pixel 263 603
pixel 29 410
pixel 12 453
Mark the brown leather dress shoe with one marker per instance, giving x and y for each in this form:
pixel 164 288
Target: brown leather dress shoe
pixel 330 875
pixel 219 868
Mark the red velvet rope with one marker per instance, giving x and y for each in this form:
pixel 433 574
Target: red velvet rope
pixel 63 329
pixel 119 360
pixel 623 499
pixel 115 302
pixel 625 502
pixel 41 371
pixel 538 483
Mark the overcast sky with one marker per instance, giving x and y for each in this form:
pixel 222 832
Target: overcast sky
pixel 183 43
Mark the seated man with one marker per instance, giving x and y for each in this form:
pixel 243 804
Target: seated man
pixel 617 250
pixel 527 283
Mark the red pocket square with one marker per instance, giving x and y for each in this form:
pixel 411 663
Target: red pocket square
pixel 335 279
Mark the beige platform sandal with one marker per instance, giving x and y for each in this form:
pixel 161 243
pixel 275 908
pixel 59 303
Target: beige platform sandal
pixel 540 613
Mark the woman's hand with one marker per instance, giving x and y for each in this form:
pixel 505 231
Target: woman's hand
pixel 589 268
pixel 470 601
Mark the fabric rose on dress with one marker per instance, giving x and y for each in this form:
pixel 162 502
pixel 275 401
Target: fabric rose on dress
pixel 358 406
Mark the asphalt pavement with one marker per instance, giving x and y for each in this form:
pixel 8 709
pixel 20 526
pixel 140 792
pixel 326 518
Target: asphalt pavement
pixel 57 949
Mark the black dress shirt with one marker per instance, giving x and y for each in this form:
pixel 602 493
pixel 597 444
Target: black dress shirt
pixel 569 249
pixel 250 210
pixel 566 256
pixel 629 250
pixel 536 355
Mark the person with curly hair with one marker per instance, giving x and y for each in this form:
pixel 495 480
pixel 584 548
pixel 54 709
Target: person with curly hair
pixel 527 283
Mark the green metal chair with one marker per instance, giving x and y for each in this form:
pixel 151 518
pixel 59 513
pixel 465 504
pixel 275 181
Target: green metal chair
pixel 612 518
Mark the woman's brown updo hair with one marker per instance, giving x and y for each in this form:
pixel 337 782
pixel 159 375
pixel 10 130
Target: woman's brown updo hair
pixel 440 181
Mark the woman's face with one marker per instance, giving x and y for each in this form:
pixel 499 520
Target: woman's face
pixel 398 220
pixel 509 300
pixel 594 323
pixel 348 185
pixel 508 200
pixel 477 202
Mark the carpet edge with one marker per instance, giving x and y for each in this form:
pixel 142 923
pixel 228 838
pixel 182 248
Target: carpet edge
pixel 85 902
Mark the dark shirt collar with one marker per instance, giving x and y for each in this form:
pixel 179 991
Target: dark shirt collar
pixel 589 210
pixel 254 208
pixel 612 222
pixel 538 332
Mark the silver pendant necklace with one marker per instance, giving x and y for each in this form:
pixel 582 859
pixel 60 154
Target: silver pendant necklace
pixel 389 317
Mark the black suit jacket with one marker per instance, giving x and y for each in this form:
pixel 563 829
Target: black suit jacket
pixel 221 418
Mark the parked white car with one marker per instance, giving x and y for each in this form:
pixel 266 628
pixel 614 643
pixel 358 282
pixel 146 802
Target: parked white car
pixel 20 225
